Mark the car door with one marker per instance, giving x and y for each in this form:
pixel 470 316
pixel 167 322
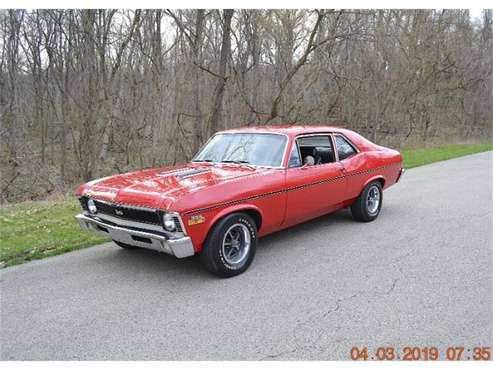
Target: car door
pixel 313 190
pixel 352 163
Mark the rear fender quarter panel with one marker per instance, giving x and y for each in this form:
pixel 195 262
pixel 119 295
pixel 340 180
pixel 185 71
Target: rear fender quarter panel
pixel 388 172
pixel 381 164
pixel 374 178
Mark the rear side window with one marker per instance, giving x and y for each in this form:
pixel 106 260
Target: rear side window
pixel 344 148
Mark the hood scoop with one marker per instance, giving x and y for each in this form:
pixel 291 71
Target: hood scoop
pixel 184 172
pixel 173 172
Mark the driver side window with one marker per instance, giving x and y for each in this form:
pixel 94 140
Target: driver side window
pixel 316 150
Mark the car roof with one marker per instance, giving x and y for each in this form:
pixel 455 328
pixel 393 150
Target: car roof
pixel 291 130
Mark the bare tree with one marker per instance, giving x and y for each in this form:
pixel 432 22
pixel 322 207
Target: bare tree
pixel 86 93
pixel 215 121
pixel 9 89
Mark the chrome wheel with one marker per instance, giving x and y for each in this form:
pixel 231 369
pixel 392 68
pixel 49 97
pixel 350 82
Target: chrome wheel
pixel 373 199
pixel 236 244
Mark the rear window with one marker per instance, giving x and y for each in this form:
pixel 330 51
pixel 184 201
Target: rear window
pixel 344 148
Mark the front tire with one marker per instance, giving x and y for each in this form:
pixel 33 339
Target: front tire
pixel 366 207
pixel 230 246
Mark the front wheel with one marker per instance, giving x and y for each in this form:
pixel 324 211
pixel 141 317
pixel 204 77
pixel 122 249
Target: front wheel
pixel 367 206
pixel 230 247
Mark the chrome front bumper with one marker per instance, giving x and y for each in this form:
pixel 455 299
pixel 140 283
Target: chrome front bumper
pixel 180 248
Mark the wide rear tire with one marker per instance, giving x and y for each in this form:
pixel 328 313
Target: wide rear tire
pixel 230 246
pixel 366 207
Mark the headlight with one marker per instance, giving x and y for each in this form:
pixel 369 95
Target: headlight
pixel 169 222
pixel 91 206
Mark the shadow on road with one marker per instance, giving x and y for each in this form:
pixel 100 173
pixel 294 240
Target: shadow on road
pixel 151 262
pixel 310 227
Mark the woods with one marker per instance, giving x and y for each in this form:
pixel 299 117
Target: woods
pixel 88 93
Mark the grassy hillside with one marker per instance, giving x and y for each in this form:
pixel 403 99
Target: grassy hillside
pixel 33 230
pixel 419 157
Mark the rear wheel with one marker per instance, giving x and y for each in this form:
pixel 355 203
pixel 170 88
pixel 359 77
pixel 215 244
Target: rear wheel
pixel 367 206
pixel 230 247
pixel 126 246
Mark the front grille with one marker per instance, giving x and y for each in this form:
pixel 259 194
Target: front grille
pixel 128 213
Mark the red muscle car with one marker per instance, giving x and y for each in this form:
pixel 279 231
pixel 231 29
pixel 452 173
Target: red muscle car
pixel 243 184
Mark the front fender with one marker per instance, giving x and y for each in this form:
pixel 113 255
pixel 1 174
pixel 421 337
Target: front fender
pixel 199 232
pixel 235 208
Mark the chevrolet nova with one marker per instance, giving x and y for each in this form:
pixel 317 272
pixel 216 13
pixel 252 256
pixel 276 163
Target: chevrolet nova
pixel 243 184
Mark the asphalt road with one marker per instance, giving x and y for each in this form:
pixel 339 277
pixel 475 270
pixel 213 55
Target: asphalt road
pixel 420 275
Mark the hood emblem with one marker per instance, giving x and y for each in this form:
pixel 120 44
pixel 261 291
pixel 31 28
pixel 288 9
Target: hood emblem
pixel 118 212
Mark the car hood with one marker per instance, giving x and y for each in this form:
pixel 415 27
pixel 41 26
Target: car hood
pixel 161 187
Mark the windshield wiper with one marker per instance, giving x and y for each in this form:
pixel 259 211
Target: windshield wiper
pixel 245 163
pixel 235 161
pixel 202 160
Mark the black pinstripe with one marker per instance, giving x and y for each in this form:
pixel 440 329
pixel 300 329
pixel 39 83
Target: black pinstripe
pixel 333 179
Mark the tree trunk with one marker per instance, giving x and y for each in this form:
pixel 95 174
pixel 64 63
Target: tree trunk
pixel 196 48
pixel 216 123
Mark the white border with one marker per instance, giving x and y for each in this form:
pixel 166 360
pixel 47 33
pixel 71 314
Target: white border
pixel 476 5
pixel 228 365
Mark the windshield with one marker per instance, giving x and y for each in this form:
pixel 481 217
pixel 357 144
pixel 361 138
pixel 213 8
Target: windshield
pixel 251 148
